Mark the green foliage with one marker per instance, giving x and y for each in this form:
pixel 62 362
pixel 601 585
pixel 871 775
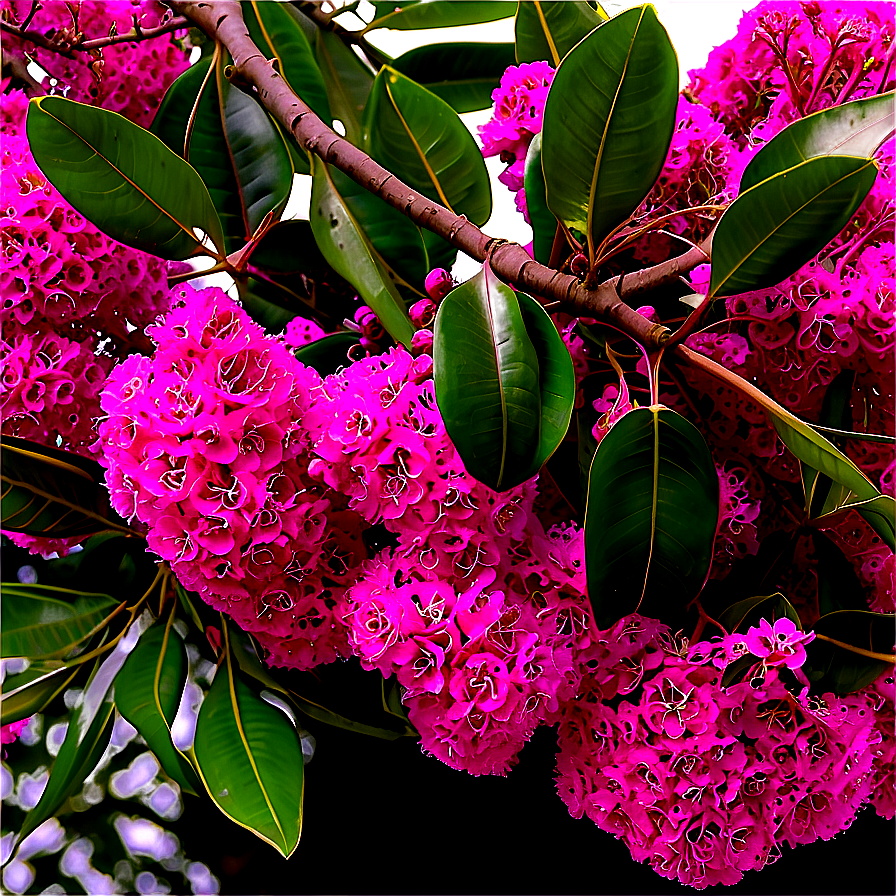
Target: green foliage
pixel 653 506
pixel 544 224
pixel 437 13
pixel 608 123
pixel 148 691
pixel 464 75
pixel 747 613
pixel 407 128
pixel 250 760
pixel 347 250
pixel 122 178
pixel 547 30
pixel 853 129
pixel 774 228
pixel 53 493
pixel 488 391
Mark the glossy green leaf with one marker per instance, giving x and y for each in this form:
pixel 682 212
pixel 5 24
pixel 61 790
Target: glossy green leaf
pixel 746 613
pixel 328 354
pixel 464 75
pixel 32 691
pixel 818 453
pixel 852 648
pixel 39 621
pixel 348 81
pixel 409 129
pixel 773 229
pixel 53 493
pixel 487 381
pixel 287 248
pixel 853 129
pixel 608 122
pixel 148 691
pixel 246 658
pixel 822 495
pixel 813 450
pixel 121 178
pixel 544 224
pixel 277 34
pixel 250 760
pixel 650 523
pixel 86 738
pixel 404 16
pixel 547 30
pixel 394 237
pixel 257 150
pixel 207 148
pixel 839 587
pixel 347 251
pixel 173 115
pixel 556 378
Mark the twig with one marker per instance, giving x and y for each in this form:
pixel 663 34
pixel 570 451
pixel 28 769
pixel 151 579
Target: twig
pixel 223 21
pixel 59 45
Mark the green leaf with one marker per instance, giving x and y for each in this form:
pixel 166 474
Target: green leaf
pixel 820 492
pixel 548 30
pixel 773 229
pixel 250 760
pixel 53 493
pixel 487 381
pixel 32 691
pixel 839 587
pixel 276 33
pixel 122 178
pixel 746 613
pixel 86 737
pixel 852 648
pixel 287 248
pixel 394 237
pixel 409 129
pixel 817 452
pixel 650 523
pixel 39 621
pixel 544 224
pixel 261 161
pixel 812 449
pixel 438 13
pixel 246 657
pixel 173 115
pixel 853 129
pixel 556 380
pixel 464 75
pixel 347 251
pixel 328 354
pixel 347 79
pixel 608 122
pixel 207 149
pixel 148 691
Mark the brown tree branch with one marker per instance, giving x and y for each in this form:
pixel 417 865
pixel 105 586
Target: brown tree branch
pixel 223 21
pixel 60 45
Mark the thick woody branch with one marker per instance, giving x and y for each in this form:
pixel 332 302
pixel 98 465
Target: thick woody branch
pixel 222 20
pixel 63 46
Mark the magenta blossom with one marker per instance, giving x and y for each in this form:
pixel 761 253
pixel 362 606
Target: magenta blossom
pixel 781 643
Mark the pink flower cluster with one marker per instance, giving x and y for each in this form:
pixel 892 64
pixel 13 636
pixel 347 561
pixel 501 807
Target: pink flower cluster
pixel 519 107
pixel 704 781
pixel 128 78
pixel 790 59
pixel 204 444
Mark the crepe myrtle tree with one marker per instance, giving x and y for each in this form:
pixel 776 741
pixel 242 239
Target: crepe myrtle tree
pixel 632 481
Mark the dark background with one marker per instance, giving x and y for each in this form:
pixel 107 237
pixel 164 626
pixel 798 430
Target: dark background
pixel 382 818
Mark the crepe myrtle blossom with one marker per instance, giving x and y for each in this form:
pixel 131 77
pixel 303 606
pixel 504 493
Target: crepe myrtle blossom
pixel 778 644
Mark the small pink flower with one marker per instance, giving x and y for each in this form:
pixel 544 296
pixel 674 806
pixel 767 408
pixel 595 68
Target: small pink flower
pixel 781 643
pixel 438 284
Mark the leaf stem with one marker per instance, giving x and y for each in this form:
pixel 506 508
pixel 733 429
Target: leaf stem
pixel 883 657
